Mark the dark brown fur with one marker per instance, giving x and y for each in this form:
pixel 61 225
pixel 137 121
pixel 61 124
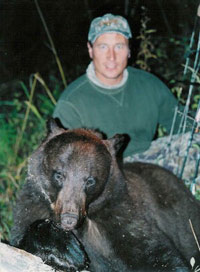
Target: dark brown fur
pixel 134 219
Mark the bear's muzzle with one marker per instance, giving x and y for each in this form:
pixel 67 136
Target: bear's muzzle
pixel 69 221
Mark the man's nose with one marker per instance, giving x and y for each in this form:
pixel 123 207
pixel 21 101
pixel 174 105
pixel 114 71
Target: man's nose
pixel 111 54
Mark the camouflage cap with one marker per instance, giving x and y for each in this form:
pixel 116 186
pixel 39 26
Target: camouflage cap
pixel 109 23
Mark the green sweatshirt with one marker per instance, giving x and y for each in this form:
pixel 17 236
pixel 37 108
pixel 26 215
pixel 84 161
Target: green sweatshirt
pixel 136 108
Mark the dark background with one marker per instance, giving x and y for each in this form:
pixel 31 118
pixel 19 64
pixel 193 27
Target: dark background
pixel 24 46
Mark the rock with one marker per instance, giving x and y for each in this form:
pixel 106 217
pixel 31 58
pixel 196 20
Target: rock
pixel 13 259
pixel 16 260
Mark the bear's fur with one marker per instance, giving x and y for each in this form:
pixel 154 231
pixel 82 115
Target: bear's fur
pixel 130 219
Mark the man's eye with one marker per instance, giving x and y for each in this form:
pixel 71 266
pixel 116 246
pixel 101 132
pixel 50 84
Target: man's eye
pixel 119 46
pixel 102 46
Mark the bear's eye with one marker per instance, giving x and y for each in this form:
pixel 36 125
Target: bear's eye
pixel 90 183
pixel 58 178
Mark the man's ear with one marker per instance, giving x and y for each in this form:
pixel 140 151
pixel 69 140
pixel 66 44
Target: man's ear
pixel 90 50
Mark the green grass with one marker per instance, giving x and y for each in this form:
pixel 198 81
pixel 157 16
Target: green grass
pixel 22 127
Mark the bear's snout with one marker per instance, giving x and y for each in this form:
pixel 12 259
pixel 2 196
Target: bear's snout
pixel 69 221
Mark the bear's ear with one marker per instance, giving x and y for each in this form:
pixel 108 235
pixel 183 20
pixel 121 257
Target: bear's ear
pixel 117 143
pixel 54 126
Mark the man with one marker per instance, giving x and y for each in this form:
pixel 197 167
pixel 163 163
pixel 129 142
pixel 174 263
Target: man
pixel 115 98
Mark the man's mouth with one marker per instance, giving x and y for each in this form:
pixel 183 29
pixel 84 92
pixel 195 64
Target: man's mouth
pixel 111 66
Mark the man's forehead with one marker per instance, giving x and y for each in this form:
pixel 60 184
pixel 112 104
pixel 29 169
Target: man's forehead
pixel 111 38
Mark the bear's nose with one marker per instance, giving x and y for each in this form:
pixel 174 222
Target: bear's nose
pixel 69 221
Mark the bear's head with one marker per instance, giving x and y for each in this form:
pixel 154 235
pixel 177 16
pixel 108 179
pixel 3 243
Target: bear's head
pixel 77 171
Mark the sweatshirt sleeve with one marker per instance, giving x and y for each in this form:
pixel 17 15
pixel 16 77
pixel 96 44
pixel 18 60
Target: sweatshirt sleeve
pixel 68 114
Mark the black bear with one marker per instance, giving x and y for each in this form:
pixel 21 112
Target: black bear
pixel 129 218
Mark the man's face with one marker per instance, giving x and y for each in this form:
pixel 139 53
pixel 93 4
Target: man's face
pixel 110 55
